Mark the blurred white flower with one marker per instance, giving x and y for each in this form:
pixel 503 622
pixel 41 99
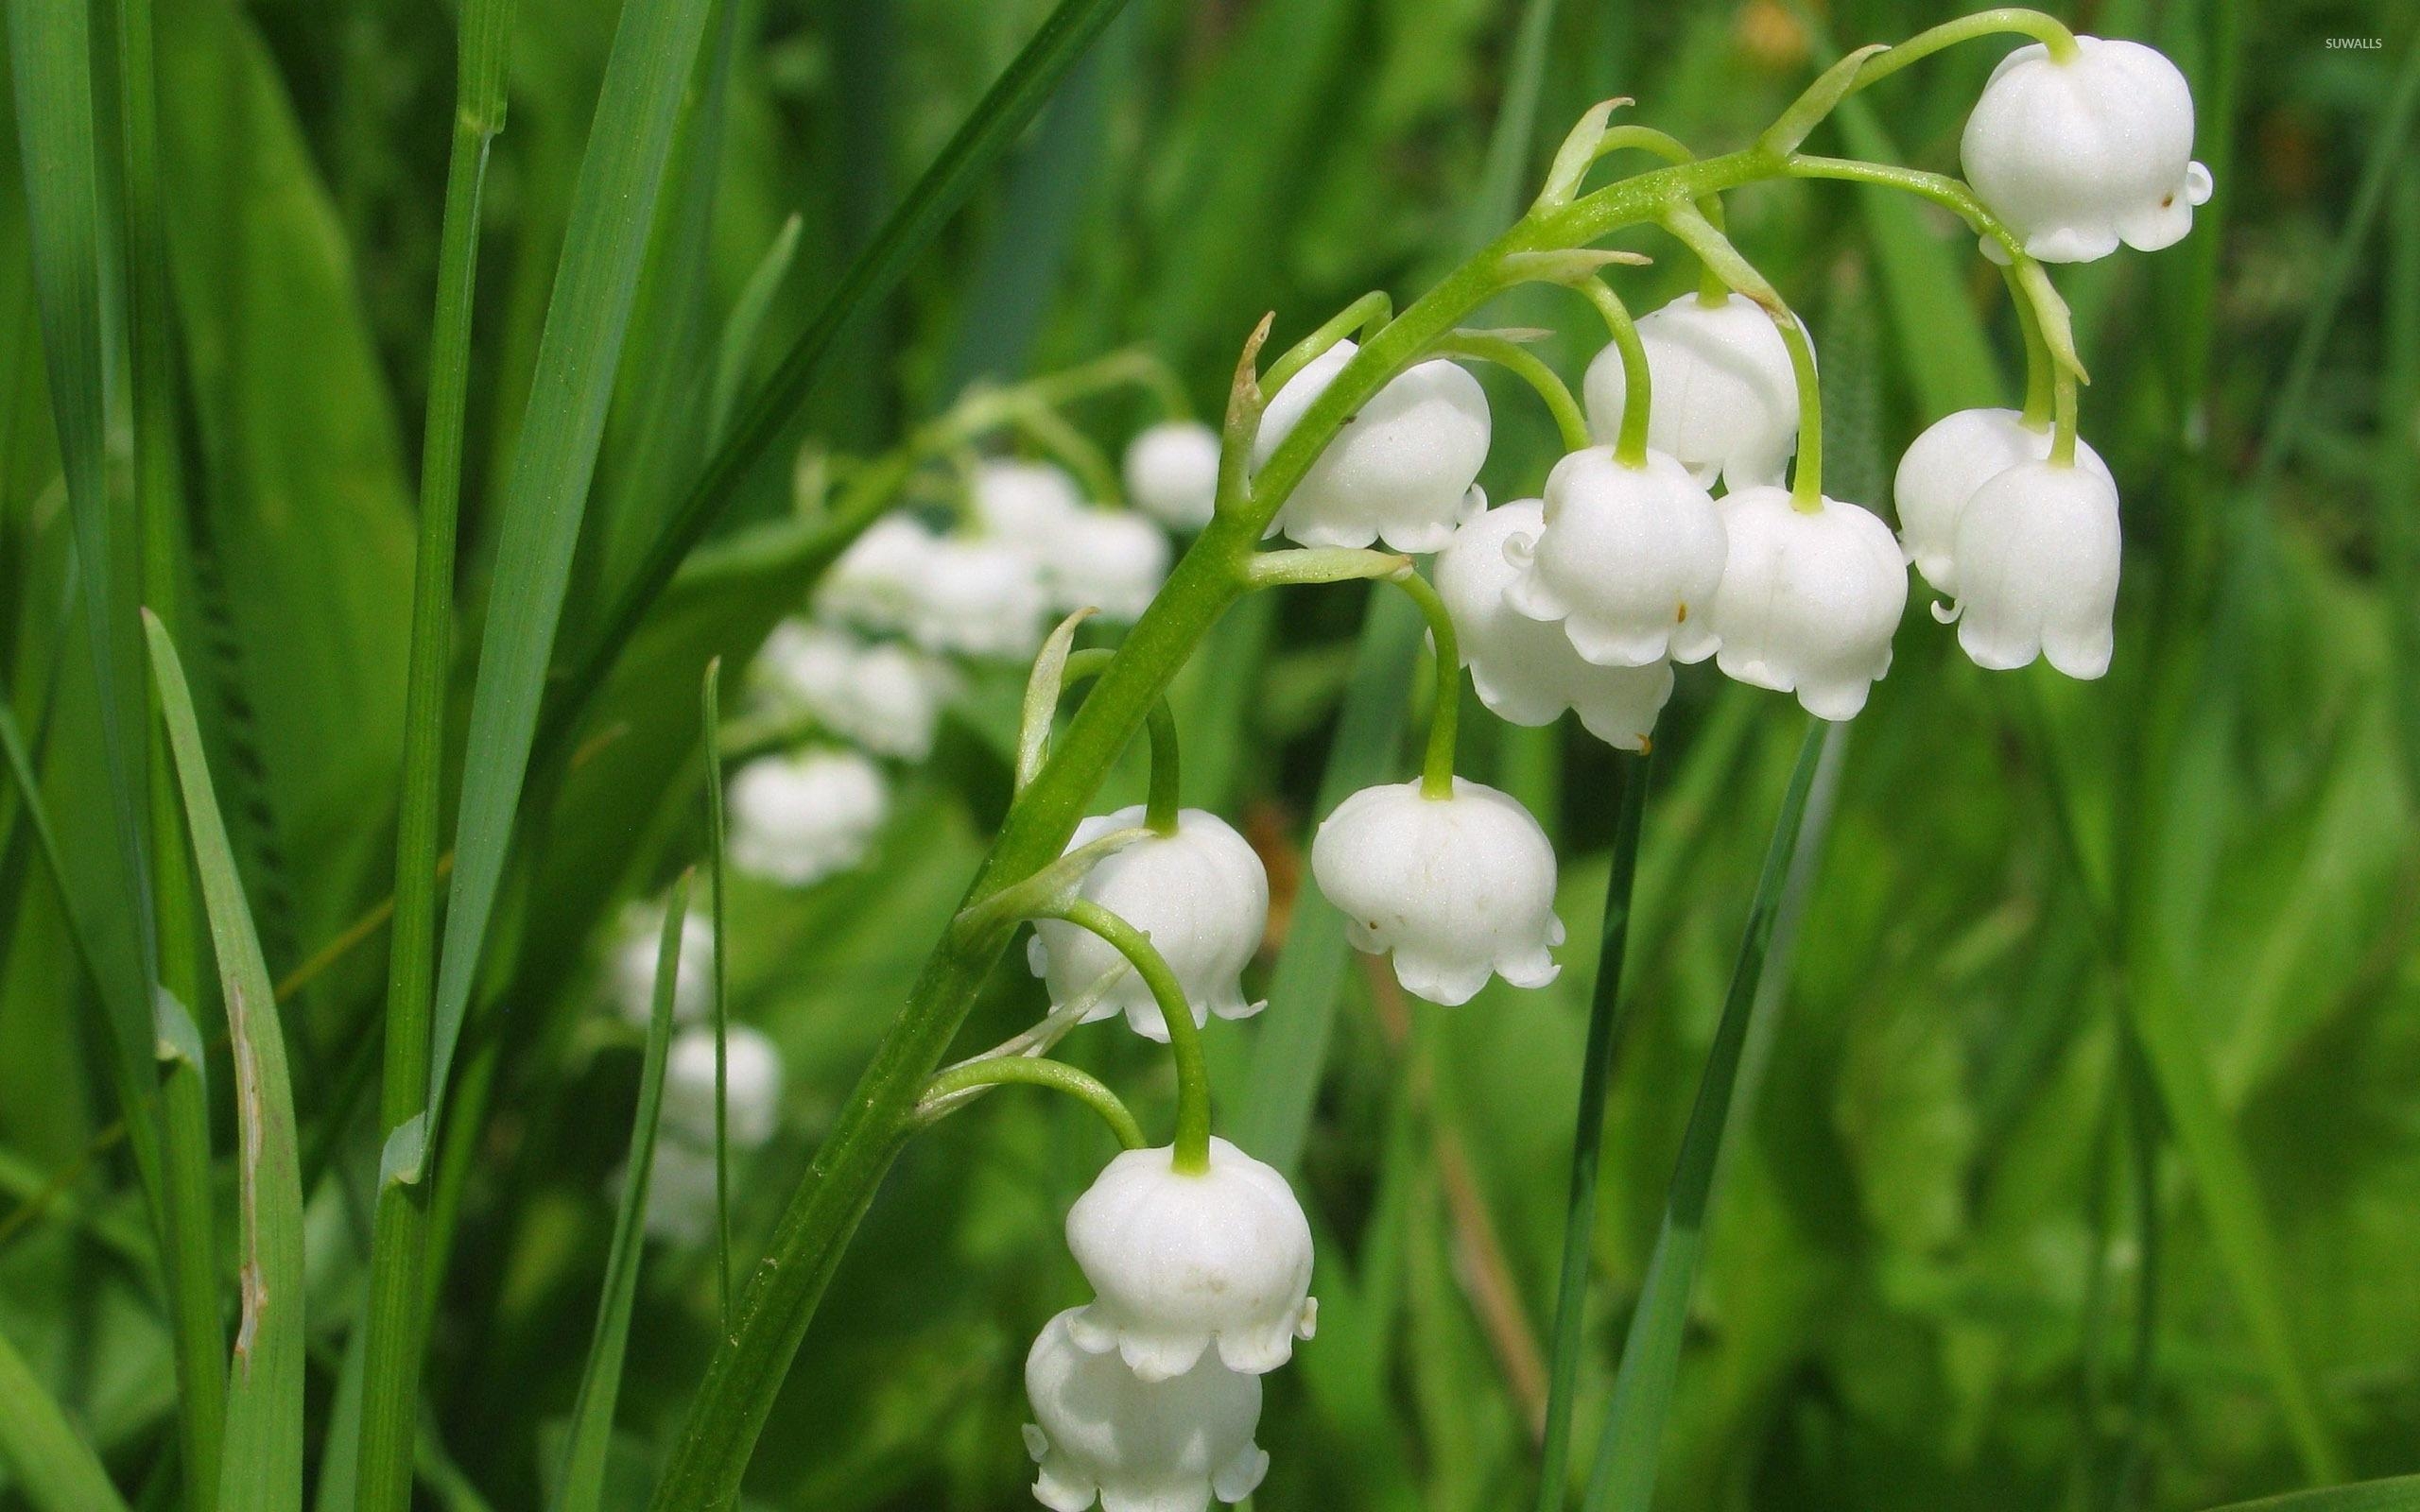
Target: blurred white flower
pixel 752 1070
pixel 1942 467
pixel 879 581
pixel 1626 560
pixel 2075 156
pixel 1185 1261
pixel 1724 399
pixel 1109 560
pixel 1401 468
pixel 634 974
pixel 1173 472
pixel 1525 671
pixel 797 818
pixel 1200 894
pixel 981 598
pixel 884 697
pixel 1809 600
pixel 1456 888
pixel 2037 568
pixel 1167 1446
pixel 1024 505
pixel 679 1193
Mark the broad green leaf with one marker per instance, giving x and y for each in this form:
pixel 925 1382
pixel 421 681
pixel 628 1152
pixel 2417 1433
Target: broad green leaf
pixel 55 1467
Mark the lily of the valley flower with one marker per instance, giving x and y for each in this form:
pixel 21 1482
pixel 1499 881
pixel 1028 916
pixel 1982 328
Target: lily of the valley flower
pixel 1168 1446
pixel 2077 156
pixel 1107 560
pixel 2037 569
pixel 1525 670
pixel 1725 399
pixel 681 1192
pixel 1023 503
pixel 1183 1262
pixel 879 581
pixel 797 818
pixel 635 960
pixel 1200 894
pixel 752 1071
pixel 1401 470
pixel 1457 888
pixel 1942 467
pixel 1627 560
pixel 1809 600
pixel 981 598
pixel 1173 472
pixel 884 697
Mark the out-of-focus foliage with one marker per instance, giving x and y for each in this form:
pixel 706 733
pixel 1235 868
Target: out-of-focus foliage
pixel 1939 1273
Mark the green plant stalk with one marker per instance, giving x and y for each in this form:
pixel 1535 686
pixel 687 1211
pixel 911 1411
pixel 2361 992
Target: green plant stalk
pixel 1364 315
pixel 2039 364
pixel 712 1451
pixel 1629 446
pixel 1606 1026
pixel 1191 1146
pixel 1165 799
pixel 1035 1071
pixel 393 1319
pixel 1623 1477
pixel 1569 423
pixel 1444 718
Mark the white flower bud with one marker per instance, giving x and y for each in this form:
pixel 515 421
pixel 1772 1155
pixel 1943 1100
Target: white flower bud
pixel 1183 1262
pixel 981 598
pixel 1724 400
pixel 885 697
pixel 2076 157
pixel 1944 467
pixel 642 937
pixel 1167 1446
pixel 1627 561
pixel 1109 560
pixel 1525 671
pixel 1024 504
pixel 2037 559
pixel 753 1071
pixel 1808 600
pixel 1401 468
pixel 796 819
pixel 1200 894
pixel 679 1193
pixel 1173 472
pixel 879 581
pixel 1456 888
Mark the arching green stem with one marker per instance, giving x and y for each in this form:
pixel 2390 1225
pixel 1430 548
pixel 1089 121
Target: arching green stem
pixel 1073 450
pixel 1527 365
pixel 1861 68
pixel 1366 315
pixel 2039 364
pixel 1160 809
pixel 1646 139
pixel 1630 447
pixel 1437 764
pixel 1192 1145
pixel 2062 409
pixel 1807 478
pixel 1030 1071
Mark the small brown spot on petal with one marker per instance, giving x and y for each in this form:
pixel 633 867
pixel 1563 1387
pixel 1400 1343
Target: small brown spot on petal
pixel 1681 614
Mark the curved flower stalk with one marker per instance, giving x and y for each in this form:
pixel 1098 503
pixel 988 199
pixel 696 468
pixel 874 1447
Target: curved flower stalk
pixel 1305 463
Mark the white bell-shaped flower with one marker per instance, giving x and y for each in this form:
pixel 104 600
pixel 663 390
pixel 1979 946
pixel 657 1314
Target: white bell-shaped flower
pixel 2037 569
pixel 1724 400
pixel 753 1071
pixel 797 818
pixel 880 580
pixel 1109 560
pixel 1200 894
pixel 884 697
pixel 1456 887
pixel 1183 1262
pixel 1136 1446
pixel 1809 600
pixel 1024 505
pixel 2075 156
pixel 1942 467
pixel 642 937
pixel 1173 472
pixel 981 598
pixel 1627 561
pixel 681 1193
pixel 1525 670
pixel 1399 472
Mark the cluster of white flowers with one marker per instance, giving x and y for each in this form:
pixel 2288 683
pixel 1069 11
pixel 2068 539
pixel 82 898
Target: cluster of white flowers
pixel 680 1190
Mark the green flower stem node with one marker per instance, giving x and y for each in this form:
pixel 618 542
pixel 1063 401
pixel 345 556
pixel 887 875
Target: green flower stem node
pixel 1527 365
pixel 942 1092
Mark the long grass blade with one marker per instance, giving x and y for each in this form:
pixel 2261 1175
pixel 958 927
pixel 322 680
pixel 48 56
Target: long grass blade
pixel 582 1486
pixel 2401 1494
pixel 2398 465
pixel 746 321
pixel 712 697
pixel 56 1470
pixel 263 1464
pixel 1623 1478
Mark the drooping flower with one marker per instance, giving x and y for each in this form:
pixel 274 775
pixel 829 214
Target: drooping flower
pixel 1183 1262
pixel 1024 505
pixel 1942 467
pixel 2037 569
pixel 1724 400
pixel 752 1072
pixel 1200 894
pixel 1400 471
pixel 797 818
pixel 634 959
pixel 1809 600
pixel 2078 156
pixel 1167 1446
pixel 879 581
pixel 1108 561
pixel 1173 472
pixel 884 697
pixel 1456 887
pixel 1627 560
pixel 1525 670
pixel 681 1192
pixel 979 598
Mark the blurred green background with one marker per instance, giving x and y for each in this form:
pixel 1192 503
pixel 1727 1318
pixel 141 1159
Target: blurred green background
pixel 2098 1045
